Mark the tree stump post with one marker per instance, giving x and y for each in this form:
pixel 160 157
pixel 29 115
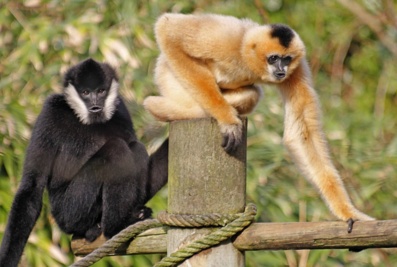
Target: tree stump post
pixel 204 179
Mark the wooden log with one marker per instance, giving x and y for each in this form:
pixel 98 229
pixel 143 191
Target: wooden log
pixel 275 236
pixel 204 179
pixel 318 235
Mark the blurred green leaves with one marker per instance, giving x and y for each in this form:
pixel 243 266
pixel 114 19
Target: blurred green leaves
pixel 353 72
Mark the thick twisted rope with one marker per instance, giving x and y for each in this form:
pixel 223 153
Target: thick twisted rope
pixel 232 224
pixel 214 219
pixel 211 239
pixel 116 241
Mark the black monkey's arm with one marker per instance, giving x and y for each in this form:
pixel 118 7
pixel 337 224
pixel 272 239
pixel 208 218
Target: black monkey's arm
pixel 158 161
pixel 27 203
pixel 24 213
pixel 158 170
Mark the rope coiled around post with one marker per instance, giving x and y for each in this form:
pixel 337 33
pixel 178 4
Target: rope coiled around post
pixel 214 219
pixel 232 224
pixel 212 239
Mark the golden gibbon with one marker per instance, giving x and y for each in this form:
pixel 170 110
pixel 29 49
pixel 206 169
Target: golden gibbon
pixel 210 66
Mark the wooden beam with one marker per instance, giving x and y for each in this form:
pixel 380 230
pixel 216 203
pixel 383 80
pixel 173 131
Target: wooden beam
pixel 274 236
pixel 318 235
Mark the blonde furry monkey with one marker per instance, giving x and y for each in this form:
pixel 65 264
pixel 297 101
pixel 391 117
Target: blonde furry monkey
pixel 210 65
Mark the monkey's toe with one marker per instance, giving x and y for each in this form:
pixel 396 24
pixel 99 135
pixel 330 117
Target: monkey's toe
pixel 232 136
pixel 145 213
pixel 229 143
pixel 93 233
pixel 350 223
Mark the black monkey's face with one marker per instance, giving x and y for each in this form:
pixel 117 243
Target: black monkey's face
pixel 93 98
pixel 91 90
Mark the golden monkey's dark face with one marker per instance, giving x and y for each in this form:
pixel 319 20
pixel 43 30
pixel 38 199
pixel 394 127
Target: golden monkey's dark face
pixel 277 66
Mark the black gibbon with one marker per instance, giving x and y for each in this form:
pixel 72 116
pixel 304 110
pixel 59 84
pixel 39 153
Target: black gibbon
pixel 84 150
pixel 210 65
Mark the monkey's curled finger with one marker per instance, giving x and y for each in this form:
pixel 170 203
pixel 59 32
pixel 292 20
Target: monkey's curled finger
pixel 350 223
pixel 228 143
pixel 232 136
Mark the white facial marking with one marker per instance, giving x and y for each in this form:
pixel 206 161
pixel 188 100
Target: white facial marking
pixel 110 102
pixel 270 70
pixel 74 101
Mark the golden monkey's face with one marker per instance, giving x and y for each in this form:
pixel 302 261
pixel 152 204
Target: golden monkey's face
pixel 273 52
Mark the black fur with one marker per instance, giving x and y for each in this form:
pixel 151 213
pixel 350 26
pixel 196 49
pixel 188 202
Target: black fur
pixel 283 33
pixel 98 176
pixel 90 74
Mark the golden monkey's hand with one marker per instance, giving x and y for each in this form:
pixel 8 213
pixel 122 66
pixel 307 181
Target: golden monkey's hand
pixel 358 216
pixel 350 223
pixel 232 136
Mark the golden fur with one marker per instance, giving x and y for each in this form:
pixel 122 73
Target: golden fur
pixel 209 66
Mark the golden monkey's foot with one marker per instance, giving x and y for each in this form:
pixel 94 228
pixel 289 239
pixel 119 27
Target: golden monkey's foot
pixel 350 223
pixel 232 136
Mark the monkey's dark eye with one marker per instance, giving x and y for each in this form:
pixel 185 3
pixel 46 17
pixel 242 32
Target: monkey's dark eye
pixel 272 59
pixel 85 92
pixel 287 60
pixel 101 91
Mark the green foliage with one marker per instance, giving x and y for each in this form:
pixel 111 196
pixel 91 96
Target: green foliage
pixel 353 71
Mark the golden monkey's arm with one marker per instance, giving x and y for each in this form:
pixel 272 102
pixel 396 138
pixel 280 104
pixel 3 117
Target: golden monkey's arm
pixel 305 141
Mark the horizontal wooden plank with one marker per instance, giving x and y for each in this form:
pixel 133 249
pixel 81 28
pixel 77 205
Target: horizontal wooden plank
pixel 274 236
pixel 318 235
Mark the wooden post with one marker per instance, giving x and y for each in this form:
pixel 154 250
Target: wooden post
pixel 204 179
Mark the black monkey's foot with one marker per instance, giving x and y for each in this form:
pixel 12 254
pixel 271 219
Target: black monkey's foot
pixel 145 213
pixel 93 233
pixel 350 223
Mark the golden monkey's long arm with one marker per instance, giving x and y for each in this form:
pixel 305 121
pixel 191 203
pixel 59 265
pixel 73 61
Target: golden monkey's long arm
pixel 304 138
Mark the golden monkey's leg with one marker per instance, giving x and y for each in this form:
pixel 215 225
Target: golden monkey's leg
pixel 174 103
pixel 305 141
pixel 243 99
pixel 197 80
pixel 165 109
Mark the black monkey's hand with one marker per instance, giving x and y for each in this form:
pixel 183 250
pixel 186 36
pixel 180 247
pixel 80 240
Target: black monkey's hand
pixel 232 136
